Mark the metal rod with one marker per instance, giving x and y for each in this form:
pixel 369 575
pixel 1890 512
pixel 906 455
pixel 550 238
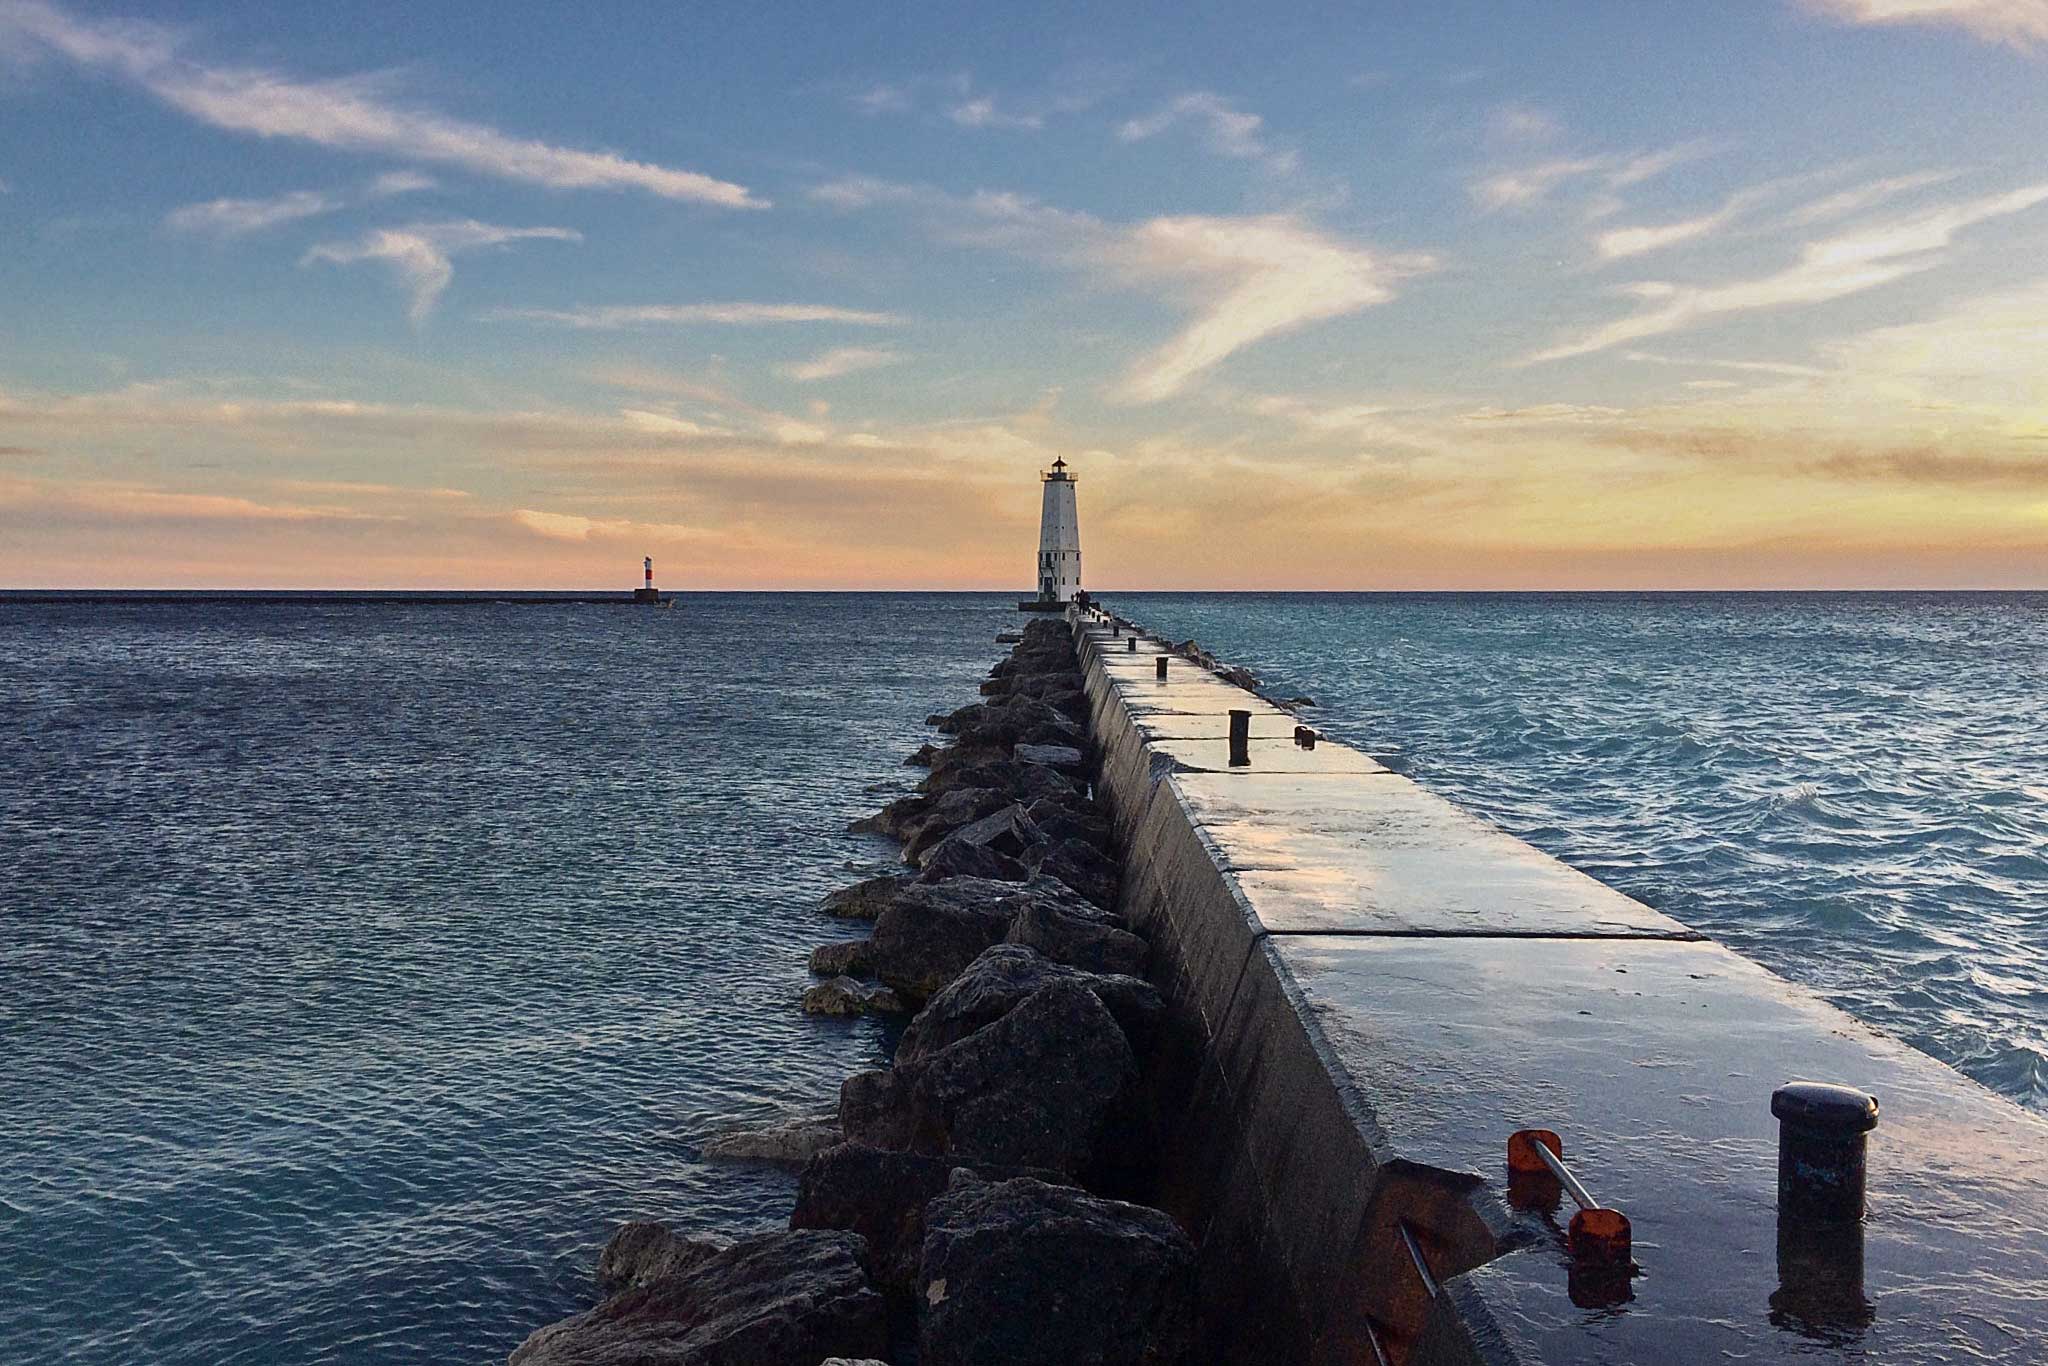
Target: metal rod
pixel 1415 1251
pixel 1564 1176
pixel 1372 1338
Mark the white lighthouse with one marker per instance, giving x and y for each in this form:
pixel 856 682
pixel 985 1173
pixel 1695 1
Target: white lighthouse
pixel 1059 539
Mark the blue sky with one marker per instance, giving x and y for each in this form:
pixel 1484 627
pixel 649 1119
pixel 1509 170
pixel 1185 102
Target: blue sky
pixel 1587 295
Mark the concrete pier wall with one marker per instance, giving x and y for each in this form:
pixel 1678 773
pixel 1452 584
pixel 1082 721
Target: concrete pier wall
pixel 1377 987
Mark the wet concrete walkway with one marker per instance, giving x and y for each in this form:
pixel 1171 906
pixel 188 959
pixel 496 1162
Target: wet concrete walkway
pixel 1447 984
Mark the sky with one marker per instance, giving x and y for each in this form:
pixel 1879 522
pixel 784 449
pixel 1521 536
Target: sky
pixel 1575 295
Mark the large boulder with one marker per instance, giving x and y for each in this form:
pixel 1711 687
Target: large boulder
pixel 1067 759
pixel 955 857
pixel 1080 865
pixel 848 958
pixel 1061 820
pixel 876 1110
pixel 781 1299
pixel 1048 1084
pixel 1044 1086
pixel 1003 978
pixel 934 929
pixel 1080 941
pixel 952 810
pixel 1023 1273
pixel 864 900
pixel 878 1194
pixel 846 996
pixel 881 1195
pixel 789 1142
pixel 1022 782
pixel 644 1251
pixel 891 819
pixel 1009 831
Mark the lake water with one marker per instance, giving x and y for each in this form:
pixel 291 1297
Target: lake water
pixel 361 966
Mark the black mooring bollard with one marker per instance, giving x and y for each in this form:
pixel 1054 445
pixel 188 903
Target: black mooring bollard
pixel 1304 737
pixel 1240 737
pixel 1130 644
pixel 1161 670
pixel 1115 627
pixel 1821 1145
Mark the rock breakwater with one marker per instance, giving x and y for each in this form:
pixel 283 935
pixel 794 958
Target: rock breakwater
pixel 979 1197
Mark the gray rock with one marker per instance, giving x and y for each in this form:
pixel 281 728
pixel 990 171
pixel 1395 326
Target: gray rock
pixel 1043 1086
pixel 1024 1273
pixel 933 930
pixel 875 1110
pixel 956 858
pixel 1058 820
pixel 1003 978
pixel 864 900
pixel 1062 758
pixel 891 818
pixel 878 1194
pixel 1087 942
pixel 848 958
pixel 1009 831
pixel 1020 782
pixel 640 1252
pixel 950 811
pixel 850 996
pixel 775 1300
pixel 1081 866
pixel 791 1142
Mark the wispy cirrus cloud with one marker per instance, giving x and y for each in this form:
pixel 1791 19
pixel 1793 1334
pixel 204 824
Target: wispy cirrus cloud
pixel 983 112
pixel 1521 187
pixel 419 253
pixel 1617 243
pixel 2015 23
pixel 1757 367
pixel 241 217
pixel 1860 197
pixel 226 218
pixel 355 114
pixel 611 317
pixel 842 360
pixel 965 103
pixel 1252 278
pixel 1832 268
pixel 1244 279
pixel 1226 130
pixel 401 182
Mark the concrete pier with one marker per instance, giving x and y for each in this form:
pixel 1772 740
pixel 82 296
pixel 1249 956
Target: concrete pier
pixel 1384 987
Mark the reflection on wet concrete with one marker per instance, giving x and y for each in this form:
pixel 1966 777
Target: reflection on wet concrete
pixel 1820 1282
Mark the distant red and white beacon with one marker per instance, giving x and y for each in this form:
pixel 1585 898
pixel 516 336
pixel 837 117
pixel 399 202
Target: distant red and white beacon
pixel 646 592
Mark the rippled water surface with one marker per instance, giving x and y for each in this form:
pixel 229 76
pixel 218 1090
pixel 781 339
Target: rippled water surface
pixel 1850 788
pixel 362 966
